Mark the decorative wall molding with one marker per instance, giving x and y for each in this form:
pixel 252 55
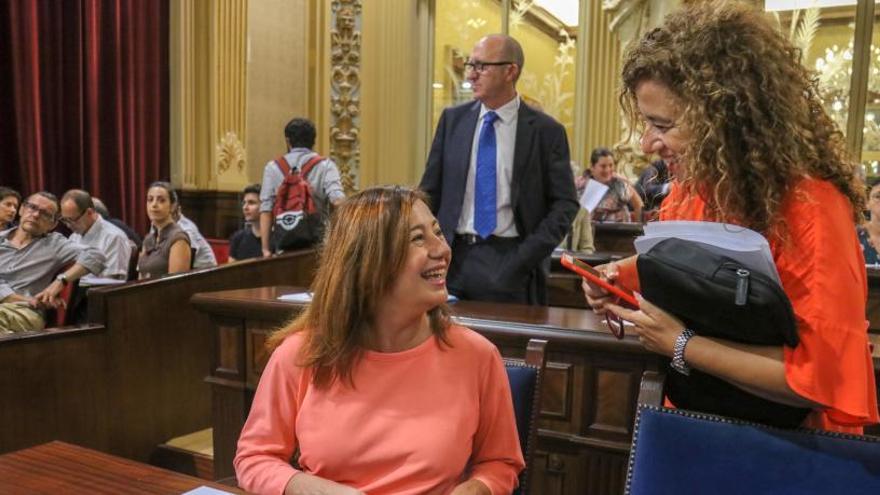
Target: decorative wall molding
pixel 230 152
pixel 229 94
pixel 345 86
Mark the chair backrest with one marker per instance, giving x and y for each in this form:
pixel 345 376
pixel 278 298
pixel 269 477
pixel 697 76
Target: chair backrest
pixel 221 250
pixel 133 264
pixel 525 387
pixel 677 451
pixel 58 316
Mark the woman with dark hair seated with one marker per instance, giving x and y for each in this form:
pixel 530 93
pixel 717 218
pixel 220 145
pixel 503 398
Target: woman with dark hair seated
pixel 620 197
pixel 721 95
pixel 166 247
pixel 374 386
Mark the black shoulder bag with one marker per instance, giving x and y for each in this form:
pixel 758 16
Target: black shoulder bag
pixel 715 296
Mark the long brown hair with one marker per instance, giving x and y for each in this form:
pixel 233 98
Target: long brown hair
pixel 752 109
pixel 364 251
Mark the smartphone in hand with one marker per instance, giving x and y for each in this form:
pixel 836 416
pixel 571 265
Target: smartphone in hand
pixel 624 295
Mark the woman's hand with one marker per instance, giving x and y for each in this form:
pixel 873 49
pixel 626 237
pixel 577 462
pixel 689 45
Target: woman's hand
pixel 471 487
pixel 597 297
pixel 656 328
pixel 307 484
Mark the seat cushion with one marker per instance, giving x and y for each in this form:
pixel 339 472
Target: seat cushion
pixel 676 451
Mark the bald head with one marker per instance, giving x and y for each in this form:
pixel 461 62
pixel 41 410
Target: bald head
pixel 507 48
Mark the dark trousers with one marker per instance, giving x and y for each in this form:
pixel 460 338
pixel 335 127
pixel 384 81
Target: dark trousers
pixel 483 271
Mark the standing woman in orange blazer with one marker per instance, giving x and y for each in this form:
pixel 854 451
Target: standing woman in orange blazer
pixel 720 94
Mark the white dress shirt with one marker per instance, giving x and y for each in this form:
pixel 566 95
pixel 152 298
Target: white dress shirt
pixel 505 142
pixel 110 241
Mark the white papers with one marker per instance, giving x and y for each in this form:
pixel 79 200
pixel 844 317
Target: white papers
pixel 206 490
pixel 297 297
pixel 593 193
pixel 746 246
pixel 95 281
pixel 306 297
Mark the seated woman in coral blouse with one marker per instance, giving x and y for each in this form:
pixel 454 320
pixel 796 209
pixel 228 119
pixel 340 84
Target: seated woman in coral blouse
pixel 721 95
pixel 374 386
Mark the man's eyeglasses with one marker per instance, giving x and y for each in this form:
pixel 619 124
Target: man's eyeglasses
pixel 71 221
pixel 480 67
pixel 41 213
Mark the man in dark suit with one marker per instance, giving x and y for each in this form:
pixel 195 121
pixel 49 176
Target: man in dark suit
pixel 500 183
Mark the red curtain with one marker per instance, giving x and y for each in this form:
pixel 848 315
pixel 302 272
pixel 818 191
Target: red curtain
pixel 84 87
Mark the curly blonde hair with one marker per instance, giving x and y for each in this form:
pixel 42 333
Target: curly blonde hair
pixel 752 110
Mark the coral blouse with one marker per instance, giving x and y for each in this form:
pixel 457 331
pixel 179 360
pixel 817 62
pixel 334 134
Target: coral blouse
pixel 419 421
pixel 822 271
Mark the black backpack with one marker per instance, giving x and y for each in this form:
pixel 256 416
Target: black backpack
pixel 715 296
pixel 298 223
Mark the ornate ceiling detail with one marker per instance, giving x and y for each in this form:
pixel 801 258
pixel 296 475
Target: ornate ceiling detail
pixel 345 86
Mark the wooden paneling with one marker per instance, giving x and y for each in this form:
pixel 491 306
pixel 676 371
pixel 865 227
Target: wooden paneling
pixel 217 213
pixel 50 383
pixel 158 350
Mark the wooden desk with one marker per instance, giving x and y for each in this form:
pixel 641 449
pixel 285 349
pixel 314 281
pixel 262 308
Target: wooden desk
pixel 590 387
pixel 616 236
pixel 59 467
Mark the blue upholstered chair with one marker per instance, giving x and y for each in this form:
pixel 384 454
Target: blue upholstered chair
pixel 678 451
pixel 525 387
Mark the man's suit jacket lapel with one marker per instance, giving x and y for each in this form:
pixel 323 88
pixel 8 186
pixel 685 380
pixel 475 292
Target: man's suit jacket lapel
pixel 459 163
pixel 525 133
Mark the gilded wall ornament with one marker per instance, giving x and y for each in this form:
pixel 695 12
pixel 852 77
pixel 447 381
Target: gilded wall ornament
pixel 230 152
pixel 345 87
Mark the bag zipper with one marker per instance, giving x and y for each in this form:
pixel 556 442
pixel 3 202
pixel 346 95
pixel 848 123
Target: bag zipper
pixel 742 287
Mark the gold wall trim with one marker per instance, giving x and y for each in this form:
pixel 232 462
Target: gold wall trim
pixel 345 86
pixel 208 94
pixel 229 94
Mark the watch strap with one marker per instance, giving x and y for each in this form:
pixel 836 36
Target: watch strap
pixel 678 363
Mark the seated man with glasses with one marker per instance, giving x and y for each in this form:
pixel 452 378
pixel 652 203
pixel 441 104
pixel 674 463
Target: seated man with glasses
pixel 30 256
pixel 89 228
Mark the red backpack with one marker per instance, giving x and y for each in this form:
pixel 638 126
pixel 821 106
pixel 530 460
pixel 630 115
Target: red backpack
pixel 297 222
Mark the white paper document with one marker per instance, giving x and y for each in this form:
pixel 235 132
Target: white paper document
pixel 306 297
pixel 297 297
pixel 94 281
pixel 746 246
pixel 206 490
pixel 593 193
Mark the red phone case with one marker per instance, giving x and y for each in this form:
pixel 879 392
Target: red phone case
pixel 588 272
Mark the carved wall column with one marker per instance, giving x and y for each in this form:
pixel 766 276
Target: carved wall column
pixel 345 88
pixel 229 94
pixel 208 95
pixel 189 73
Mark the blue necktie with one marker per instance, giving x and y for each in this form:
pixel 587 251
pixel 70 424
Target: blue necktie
pixel 485 202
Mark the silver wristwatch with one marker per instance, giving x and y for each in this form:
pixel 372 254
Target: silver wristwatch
pixel 62 277
pixel 681 341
